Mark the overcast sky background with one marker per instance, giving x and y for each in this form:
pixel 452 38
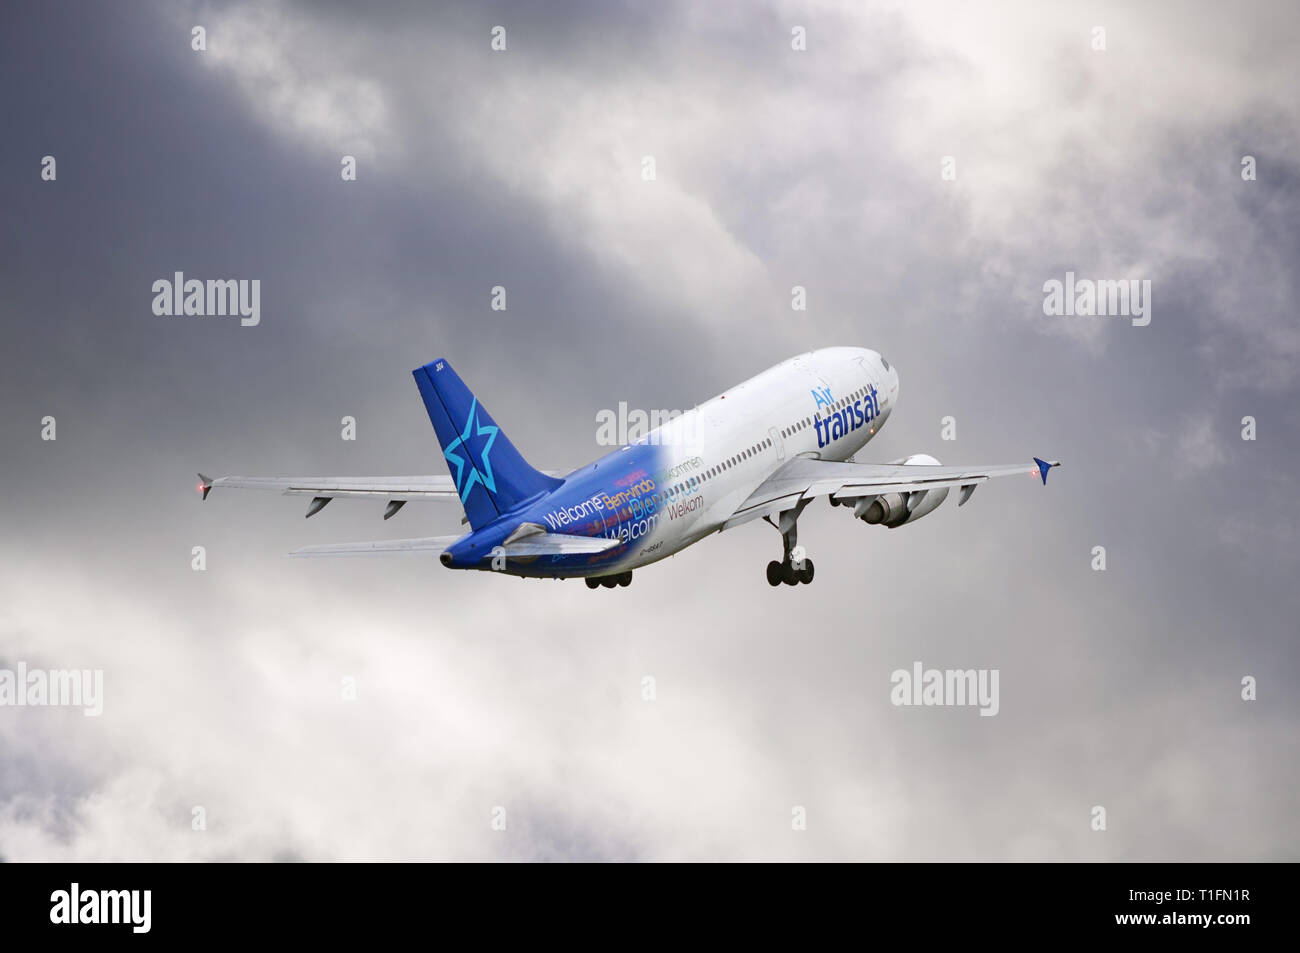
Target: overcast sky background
pixel 774 168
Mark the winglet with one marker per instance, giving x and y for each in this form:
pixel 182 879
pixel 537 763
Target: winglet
pixel 1044 466
pixel 205 485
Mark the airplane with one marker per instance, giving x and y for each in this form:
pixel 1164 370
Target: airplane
pixel 764 449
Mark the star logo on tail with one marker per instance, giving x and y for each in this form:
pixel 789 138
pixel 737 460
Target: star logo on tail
pixel 473 429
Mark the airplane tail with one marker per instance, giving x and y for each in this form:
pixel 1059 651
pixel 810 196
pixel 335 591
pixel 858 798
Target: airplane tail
pixel 491 476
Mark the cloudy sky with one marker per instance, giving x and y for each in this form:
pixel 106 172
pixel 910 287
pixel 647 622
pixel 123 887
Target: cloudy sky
pixel 774 167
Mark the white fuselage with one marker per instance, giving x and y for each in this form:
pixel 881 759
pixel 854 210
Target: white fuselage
pixel 825 404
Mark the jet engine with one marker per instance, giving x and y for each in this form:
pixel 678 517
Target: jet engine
pixel 895 509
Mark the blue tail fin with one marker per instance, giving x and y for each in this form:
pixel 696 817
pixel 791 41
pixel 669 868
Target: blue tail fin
pixel 491 476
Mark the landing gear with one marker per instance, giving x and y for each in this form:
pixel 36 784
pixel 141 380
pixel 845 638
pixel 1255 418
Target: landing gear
pixel 786 572
pixel 609 582
pixel 795 567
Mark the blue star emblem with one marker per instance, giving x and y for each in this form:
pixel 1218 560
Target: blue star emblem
pixel 473 428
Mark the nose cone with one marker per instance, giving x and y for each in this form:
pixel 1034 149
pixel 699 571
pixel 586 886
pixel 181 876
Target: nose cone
pixel 890 382
pixel 891 372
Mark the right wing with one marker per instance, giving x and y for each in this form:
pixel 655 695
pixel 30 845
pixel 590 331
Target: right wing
pixel 803 478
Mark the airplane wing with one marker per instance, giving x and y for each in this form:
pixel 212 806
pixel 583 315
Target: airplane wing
pixel 537 544
pixel 804 478
pixel 398 491
pixel 390 488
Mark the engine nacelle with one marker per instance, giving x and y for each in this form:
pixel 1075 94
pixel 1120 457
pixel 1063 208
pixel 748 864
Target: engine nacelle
pixel 886 508
pixel 895 509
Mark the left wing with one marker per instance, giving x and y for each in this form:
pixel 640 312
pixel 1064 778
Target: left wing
pixel 804 478
pixel 403 488
pixel 398 490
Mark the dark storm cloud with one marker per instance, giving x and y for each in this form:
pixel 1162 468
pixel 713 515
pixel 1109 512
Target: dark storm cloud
pixel 774 169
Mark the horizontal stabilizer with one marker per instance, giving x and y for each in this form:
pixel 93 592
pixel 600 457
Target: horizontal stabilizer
pixel 558 544
pixel 536 544
pixel 422 546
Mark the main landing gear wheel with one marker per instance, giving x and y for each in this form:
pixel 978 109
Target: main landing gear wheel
pixel 790 570
pixel 778 573
pixel 609 582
